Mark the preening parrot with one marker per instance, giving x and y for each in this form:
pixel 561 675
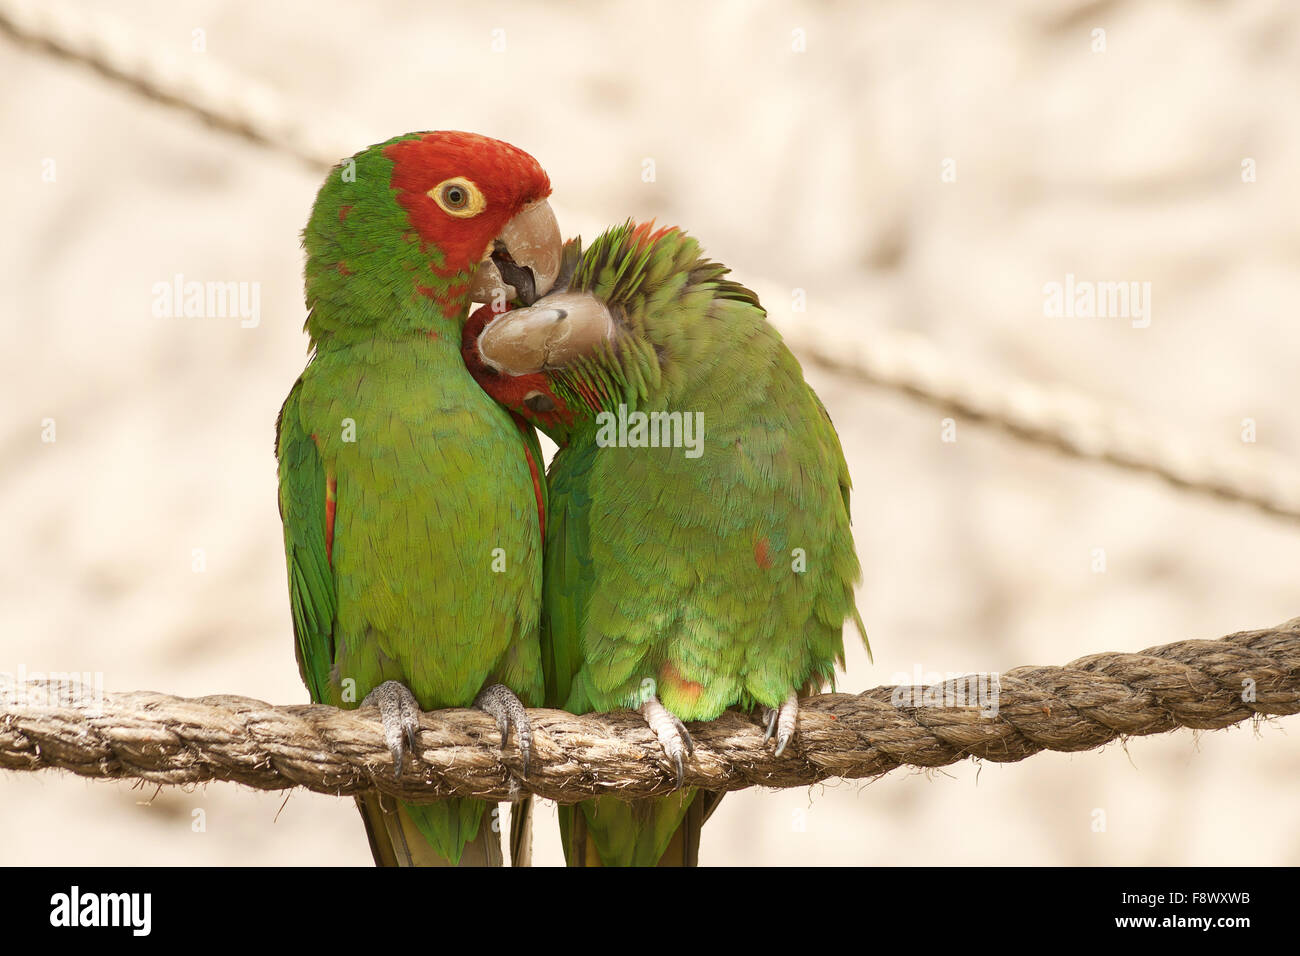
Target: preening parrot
pixel 411 501
pixel 698 549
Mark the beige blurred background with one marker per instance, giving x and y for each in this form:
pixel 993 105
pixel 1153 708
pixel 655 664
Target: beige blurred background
pixel 818 170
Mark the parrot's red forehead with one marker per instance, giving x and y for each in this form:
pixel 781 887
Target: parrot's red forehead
pixel 504 172
pixel 505 177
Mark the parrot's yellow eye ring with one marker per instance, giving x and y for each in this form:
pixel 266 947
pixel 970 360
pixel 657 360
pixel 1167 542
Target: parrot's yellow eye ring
pixel 458 197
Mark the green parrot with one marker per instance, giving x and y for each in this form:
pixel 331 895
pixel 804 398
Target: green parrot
pixel 698 549
pixel 411 502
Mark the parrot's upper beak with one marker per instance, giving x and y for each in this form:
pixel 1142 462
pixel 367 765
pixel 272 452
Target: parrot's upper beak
pixel 524 259
pixel 549 335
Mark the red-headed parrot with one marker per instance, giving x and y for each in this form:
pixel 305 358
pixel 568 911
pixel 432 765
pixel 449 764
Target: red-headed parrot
pixel 411 500
pixel 698 549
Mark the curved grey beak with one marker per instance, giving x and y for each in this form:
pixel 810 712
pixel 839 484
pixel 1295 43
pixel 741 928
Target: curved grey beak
pixel 552 334
pixel 524 259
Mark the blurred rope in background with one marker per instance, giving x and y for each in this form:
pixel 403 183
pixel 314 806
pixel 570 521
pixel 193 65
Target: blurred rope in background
pixel 1060 419
pixel 221 98
pixel 999 717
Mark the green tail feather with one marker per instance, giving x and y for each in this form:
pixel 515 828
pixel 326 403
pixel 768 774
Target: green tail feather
pixel 662 831
pixel 446 833
pixel 521 833
pixel 862 630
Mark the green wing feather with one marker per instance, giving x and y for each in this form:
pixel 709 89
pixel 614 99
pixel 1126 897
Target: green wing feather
pixel 568 576
pixel 312 596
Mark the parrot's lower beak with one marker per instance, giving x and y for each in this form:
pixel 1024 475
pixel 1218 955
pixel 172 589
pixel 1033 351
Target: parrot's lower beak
pixel 565 327
pixel 524 259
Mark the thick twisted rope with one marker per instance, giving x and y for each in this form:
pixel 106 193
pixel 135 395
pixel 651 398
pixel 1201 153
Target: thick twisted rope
pixel 161 739
pixel 1070 423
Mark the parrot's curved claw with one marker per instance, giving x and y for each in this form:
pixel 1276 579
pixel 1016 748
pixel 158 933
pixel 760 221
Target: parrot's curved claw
pixel 781 722
pixel 400 713
pixel 500 701
pixel 672 733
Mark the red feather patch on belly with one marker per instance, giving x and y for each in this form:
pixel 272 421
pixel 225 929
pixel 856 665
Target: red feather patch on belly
pixel 671 679
pixel 330 503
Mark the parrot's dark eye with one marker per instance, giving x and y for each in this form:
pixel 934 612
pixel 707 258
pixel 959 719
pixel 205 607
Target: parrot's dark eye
pixel 458 197
pixel 539 402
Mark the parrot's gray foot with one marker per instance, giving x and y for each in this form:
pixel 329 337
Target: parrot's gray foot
pixel 400 713
pixel 500 701
pixel 672 733
pixel 781 722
